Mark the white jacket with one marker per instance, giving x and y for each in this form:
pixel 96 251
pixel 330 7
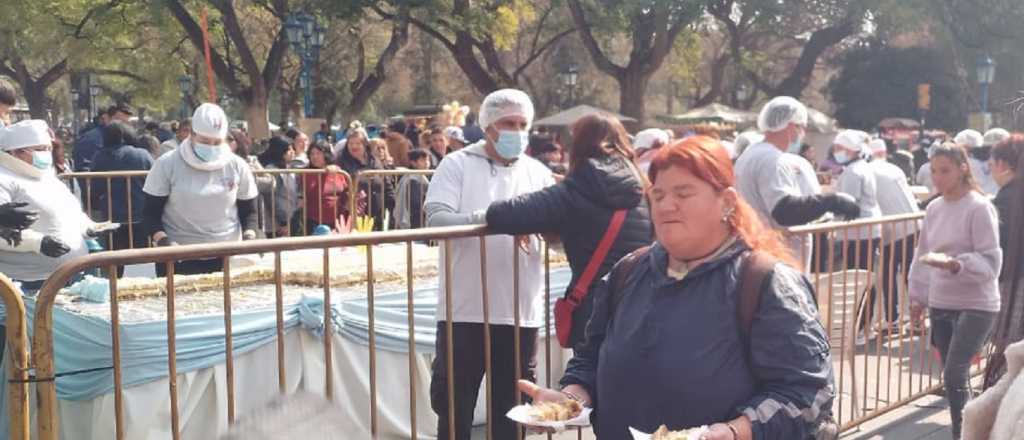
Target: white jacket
pixel 998 414
pixel 60 215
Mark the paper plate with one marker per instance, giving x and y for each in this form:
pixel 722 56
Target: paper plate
pixel 521 414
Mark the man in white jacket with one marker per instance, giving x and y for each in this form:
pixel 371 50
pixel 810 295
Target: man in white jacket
pixel 465 183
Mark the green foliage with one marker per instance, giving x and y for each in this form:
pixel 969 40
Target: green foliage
pixel 877 82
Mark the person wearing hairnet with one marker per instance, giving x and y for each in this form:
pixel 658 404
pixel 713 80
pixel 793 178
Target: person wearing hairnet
pixel 27 179
pixel 464 185
pixel 201 193
pixel 780 185
pixel 745 140
pixel 979 152
pixel 980 159
pixel 646 143
pixel 894 198
pixel 858 180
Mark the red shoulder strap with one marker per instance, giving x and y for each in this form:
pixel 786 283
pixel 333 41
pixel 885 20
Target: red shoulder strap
pixel 583 285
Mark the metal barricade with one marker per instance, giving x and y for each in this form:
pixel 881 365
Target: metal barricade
pixel 96 190
pixel 311 183
pixel 379 188
pixel 43 354
pixel 860 272
pixel 16 354
pixel 893 367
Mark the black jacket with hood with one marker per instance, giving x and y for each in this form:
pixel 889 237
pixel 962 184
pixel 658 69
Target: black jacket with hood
pixel 118 154
pixel 579 209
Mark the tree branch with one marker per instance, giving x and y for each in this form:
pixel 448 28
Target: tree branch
pixel 234 30
pixel 599 58
pixel 195 34
pixel 114 72
pixel 536 54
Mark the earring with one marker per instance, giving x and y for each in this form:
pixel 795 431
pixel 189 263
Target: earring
pixel 727 215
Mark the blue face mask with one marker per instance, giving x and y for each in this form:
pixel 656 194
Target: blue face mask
pixel 841 157
pixel 794 147
pixel 511 144
pixel 207 153
pixel 42 160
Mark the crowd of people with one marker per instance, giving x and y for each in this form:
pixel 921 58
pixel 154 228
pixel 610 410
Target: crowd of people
pixel 661 233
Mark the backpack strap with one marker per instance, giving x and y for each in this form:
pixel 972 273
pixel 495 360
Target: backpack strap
pixel 620 275
pixel 755 268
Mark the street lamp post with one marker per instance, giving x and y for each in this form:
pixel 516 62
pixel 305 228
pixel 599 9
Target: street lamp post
pixel 742 94
pixel 185 84
pixel 94 91
pixel 569 79
pixel 986 73
pixel 306 37
pixel 74 111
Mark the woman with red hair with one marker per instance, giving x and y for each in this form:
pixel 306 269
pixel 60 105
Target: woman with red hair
pixel 673 339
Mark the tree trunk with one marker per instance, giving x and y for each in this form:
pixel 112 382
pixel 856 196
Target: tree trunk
pixel 35 95
pixel 632 86
pixel 256 113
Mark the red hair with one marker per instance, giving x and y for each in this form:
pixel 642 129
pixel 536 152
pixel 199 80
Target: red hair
pixel 707 159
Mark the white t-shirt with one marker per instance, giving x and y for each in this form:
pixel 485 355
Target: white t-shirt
pixel 60 215
pixel 467 181
pixel 201 205
pixel 983 175
pixel 168 146
pixel 894 198
pixel 764 175
pixel 858 180
pixel 924 177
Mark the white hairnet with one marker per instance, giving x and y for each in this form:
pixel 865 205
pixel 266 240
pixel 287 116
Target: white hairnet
pixel 877 146
pixel 746 139
pixel 855 140
pixel 780 112
pixel 995 136
pixel 504 103
pixel 970 138
pixel 650 137
pixel 934 147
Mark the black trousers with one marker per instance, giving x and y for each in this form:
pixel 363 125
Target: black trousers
pixel 192 267
pixel 468 356
pixel 895 258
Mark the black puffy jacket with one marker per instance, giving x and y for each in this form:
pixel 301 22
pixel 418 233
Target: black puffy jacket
pixel 579 209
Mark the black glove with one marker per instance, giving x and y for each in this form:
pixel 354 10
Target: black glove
pixel 843 205
pixel 52 247
pixel 14 215
pixel 11 236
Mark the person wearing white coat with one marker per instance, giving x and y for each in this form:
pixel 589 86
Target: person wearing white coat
pixel 27 176
pixel 858 180
pixel 978 152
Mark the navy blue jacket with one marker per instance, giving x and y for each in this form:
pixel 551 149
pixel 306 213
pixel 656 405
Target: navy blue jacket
pixel 671 352
pixel 120 158
pixel 85 147
pixel 579 209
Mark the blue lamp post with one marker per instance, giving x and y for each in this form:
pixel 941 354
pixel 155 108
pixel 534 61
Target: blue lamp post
pixel 306 37
pixel 986 73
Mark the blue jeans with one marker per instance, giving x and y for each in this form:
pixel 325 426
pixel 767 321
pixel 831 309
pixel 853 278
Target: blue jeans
pixel 959 335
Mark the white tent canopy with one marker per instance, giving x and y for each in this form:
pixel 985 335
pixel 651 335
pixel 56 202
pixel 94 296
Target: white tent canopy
pixel 716 111
pixel 570 116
